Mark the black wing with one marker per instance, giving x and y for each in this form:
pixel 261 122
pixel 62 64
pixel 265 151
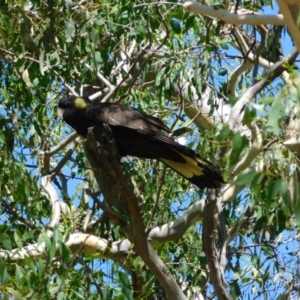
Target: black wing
pixel 178 157
pixel 119 115
pixel 141 135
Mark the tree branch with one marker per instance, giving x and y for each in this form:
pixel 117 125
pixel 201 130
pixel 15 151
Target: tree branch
pixel 232 18
pixel 255 150
pixel 237 112
pixel 135 229
pixel 210 248
pixel 286 8
pixel 53 197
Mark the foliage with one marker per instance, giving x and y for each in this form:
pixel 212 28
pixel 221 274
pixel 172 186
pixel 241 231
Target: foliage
pixel 161 60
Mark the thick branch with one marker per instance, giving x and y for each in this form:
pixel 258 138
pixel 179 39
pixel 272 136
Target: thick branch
pixel 292 139
pixel 78 243
pixel 230 191
pixel 53 197
pixel 212 253
pixel 291 19
pixel 158 235
pixel 174 230
pixel 244 67
pixel 232 18
pixel 135 229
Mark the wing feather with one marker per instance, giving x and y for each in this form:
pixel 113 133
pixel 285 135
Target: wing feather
pixel 119 115
pixel 138 134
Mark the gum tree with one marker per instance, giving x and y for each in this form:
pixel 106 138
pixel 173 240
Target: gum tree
pixel 79 223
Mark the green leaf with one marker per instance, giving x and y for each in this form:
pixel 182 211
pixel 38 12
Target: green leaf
pixel 70 30
pixel 41 268
pixel 19 273
pixel 80 296
pixel 125 14
pixel 106 291
pixel 41 61
pixel 98 57
pixel 141 29
pixel 2 137
pixel 4 276
pixel 28 234
pixel 54 289
pixel 64 252
pixel 275 116
pixel 158 78
pixel 268 252
pixel 61 296
pixel 16 295
pixel 297 206
pixel 266 100
pixel 136 263
pixel 236 289
pixel 282 218
pixel 222 72
pixel 189 23
pixel 224 133
pixel 41 115
pixel 249 116
pixel 37 128
pixel 18 239
pixel 245 178
pixel 274 188
pixel 182 131
pixel 224 45
pixel 239 143
pixel 5 241
pixel 176 26
pixel 99 22
pixel 43 238
pixel 124 281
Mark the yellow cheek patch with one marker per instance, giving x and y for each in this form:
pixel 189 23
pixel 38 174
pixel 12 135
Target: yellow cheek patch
pixel 80 103
pixel 189 169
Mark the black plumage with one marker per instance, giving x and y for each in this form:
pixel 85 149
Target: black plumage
pixel 140 135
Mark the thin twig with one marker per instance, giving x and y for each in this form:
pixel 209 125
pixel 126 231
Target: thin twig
pixel 160 180
pixel 66 158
